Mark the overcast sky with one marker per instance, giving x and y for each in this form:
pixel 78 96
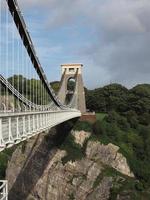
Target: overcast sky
pixel 110 37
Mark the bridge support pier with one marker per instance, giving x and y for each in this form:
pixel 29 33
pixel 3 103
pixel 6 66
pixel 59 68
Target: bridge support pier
pixel 73 71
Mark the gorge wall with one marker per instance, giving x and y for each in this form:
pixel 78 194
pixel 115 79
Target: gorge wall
pixel 36 170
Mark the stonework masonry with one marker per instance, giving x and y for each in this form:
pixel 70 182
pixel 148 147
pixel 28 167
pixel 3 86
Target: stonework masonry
pixel 71 71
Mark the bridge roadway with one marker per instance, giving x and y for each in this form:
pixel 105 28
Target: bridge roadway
pixel 17 127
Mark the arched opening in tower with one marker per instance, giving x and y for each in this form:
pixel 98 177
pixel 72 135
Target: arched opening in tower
pixel 70 89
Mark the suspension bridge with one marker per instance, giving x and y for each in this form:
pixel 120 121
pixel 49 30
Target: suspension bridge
pixel 28 104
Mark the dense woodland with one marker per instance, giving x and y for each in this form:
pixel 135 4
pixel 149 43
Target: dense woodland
pixel 123 118
pixel 117 97
pixel 126 123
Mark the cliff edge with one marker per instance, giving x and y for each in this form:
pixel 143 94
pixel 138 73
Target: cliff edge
pixel 38 170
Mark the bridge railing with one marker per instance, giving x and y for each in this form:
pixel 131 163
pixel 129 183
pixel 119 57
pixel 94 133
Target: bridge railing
pixel 3 190
pixel 17 127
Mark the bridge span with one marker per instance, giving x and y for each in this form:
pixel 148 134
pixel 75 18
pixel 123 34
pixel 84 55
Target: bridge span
pixel 28 104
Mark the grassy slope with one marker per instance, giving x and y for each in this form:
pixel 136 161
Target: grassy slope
pixel 100 116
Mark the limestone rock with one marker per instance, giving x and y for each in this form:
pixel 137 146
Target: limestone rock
pixel 108 154
pixel 36 171
pixel 80 136
pixel 102 192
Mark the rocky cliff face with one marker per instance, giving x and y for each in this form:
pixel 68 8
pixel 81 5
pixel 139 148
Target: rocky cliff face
pixel 36 171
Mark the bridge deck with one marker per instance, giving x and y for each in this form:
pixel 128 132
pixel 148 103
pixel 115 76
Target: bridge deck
pixel 17 127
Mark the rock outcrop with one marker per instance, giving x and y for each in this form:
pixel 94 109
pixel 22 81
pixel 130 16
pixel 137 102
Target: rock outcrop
pixel 108 155
pixel 36 170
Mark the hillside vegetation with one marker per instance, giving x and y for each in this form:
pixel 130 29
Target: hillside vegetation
pixel 117 97
pixel 124 120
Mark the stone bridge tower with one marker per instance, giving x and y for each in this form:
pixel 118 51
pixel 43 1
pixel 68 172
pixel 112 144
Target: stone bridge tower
pixel 73 71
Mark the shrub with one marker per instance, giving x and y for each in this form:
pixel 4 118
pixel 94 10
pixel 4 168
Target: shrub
pixel 112 117
pixel 120 121
pixel 139 186
pixel 83 125
pixel 4 157
pixel 74 150
pixel 98 128
pixel 123 124
pixel 144 119
pixel 132 119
